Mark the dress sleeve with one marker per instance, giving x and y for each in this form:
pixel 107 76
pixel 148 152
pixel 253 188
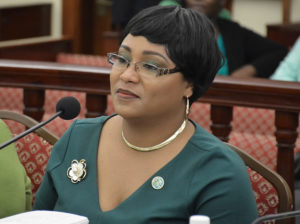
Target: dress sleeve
pixel 225 194
pixel 46 196
pixel 289 68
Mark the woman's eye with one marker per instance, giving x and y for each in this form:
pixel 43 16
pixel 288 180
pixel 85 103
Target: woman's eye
pixel 122 60
pixel 150 67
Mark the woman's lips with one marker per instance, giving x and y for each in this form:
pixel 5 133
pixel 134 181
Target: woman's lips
pixel 126 94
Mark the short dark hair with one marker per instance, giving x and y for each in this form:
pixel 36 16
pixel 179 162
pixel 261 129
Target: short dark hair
pixel 189 38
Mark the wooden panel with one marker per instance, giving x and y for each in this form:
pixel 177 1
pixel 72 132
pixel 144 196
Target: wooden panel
pixel 34 100
pixel 284 34
pixel 71 22
pixel 43 49
pixel 286 134
pixel 105 40
pixel 228 5
pixel 87 23
pixel 286 11
pixel 24 22
pixel 78 20
pixel 221 117
pixel 50 75
pixel 110 42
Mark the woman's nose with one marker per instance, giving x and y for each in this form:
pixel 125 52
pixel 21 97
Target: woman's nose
pixel 130 74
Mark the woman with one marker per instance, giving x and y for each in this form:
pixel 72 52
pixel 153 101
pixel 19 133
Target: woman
pixel 149 163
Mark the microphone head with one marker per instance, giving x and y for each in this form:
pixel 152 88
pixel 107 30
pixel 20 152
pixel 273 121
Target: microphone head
pixel 69 106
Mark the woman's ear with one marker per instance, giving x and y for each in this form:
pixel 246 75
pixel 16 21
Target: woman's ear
pixel 189 90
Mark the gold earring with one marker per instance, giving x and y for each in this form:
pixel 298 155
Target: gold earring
pixel 187 108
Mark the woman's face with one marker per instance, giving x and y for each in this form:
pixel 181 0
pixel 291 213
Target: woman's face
pixel 211 8
pixel 136 94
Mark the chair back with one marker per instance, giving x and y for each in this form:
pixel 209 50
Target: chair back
pixel 34 149
pixel 272 193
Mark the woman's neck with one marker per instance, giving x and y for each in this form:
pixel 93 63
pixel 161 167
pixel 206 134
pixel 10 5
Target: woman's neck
pixel 148 132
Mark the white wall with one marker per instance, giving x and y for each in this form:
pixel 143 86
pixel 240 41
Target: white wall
pixel 256 14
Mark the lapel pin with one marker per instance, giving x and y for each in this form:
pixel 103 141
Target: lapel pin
pixel 158 183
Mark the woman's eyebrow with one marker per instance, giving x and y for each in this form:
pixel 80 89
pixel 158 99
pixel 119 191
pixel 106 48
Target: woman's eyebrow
pixel 155 53
pixel 125 47
pixel 146 52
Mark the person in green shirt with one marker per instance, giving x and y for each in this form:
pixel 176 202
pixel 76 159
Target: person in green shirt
pixel 15 185
pixel 224 13
pixel 149 163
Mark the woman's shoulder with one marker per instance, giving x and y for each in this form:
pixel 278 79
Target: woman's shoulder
pixel 82 128
pixel 215 157
pixel 81 132
pixel 91 121
pixel 209 146
pixel 89 124
pixel 204 140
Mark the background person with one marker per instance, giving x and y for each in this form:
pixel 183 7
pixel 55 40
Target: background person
pixel 124 10
pixel 224 13
pixel 149 163
pixel 15 185
pixel 246 53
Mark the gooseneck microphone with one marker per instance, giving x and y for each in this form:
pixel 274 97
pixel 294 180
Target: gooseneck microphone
pixel 278 216
pixel 67 108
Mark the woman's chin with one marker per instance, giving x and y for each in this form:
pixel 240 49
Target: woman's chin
pixel 126 111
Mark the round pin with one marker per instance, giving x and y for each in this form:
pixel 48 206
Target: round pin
pixel 158 183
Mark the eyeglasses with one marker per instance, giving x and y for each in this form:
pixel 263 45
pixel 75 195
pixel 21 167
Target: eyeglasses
pixel 143 68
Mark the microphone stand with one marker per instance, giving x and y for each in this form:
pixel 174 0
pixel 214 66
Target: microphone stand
pixel 30 130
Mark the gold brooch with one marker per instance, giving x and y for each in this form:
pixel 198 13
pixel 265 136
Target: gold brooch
pixel 77 171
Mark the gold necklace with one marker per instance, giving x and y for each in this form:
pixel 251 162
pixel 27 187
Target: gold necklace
pixel 158 146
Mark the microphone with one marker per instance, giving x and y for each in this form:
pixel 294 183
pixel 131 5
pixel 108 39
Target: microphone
pixel 67 108
pixel 278 216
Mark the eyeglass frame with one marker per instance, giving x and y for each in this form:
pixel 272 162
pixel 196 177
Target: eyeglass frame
pixel 160 71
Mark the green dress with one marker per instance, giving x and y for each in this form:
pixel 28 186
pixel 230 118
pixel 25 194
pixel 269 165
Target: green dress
pixel 206 178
